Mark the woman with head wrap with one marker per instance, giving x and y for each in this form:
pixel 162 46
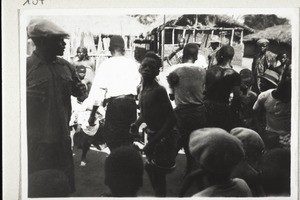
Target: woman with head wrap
pixel 217 152
pixel 248 169
pixel 262 61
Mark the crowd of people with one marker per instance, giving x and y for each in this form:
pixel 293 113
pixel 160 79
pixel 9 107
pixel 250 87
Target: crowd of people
pixel 235 128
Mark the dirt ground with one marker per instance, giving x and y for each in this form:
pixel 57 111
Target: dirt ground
pixel 90 178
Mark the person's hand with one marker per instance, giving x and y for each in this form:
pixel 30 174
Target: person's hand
pixel 133 129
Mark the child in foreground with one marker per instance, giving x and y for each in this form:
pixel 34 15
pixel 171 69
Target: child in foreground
pixel 157 113
pixel 124 172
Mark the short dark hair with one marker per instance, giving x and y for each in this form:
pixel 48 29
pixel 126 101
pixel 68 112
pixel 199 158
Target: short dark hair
pixel 190 51
pixel 117 44
pixel 84 49
pixel 158 60
pixel 124 171
pixel 225 53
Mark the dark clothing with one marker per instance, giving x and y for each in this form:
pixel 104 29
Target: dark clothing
pixel 52 156
pixel 260 64
pixel 49 109
pixel 189 118
pixel 212 61
pixel 164 153
pixel 246 113
pixel 252 177
pixel 49 88
pixel 121 112
pixel 220 82
pixel 219 115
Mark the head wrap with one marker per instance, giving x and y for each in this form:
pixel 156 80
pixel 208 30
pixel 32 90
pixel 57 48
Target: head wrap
pixel 251 140
pixel 262 41
pixel 216 150
pixel 215 39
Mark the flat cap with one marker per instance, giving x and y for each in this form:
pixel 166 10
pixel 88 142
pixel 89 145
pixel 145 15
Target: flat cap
pixel 44 28
pixel 216 150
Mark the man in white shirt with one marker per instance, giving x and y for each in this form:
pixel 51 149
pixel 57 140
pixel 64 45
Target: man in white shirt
pixel 115 87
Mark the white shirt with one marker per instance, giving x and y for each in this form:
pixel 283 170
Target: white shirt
pixel 115 76
pixel 278 113
pixel 201 61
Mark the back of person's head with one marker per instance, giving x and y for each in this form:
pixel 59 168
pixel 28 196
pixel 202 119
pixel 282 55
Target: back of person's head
pixel 275 168
pixel 117 44
pixel 252 142
pixel 216 150
pixel 224 54
pixel 139 54
pixel 190 52
pixel 124 172
pixel 48 183
pixel 151 55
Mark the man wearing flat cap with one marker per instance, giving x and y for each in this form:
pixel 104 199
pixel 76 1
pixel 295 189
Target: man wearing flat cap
pixel 50 83
pixel 262 61
pixel 115 87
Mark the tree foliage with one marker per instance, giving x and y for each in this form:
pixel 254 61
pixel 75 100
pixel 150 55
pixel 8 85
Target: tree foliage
pixel 145 19
pixel 261 22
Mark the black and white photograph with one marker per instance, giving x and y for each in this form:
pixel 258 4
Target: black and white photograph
pixel 159 103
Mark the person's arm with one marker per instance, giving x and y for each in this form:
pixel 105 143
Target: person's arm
pixel 258 112
pixel 173 80
pixel 173 54
pixel 96 96
pixel 236 101
pixel 134 127
pixel 168 123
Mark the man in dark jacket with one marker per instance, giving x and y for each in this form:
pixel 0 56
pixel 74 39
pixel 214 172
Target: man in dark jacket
pixel 50 83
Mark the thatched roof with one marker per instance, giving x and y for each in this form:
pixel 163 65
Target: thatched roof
pixel 206 21
pixel 280 33
pixel 100 24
